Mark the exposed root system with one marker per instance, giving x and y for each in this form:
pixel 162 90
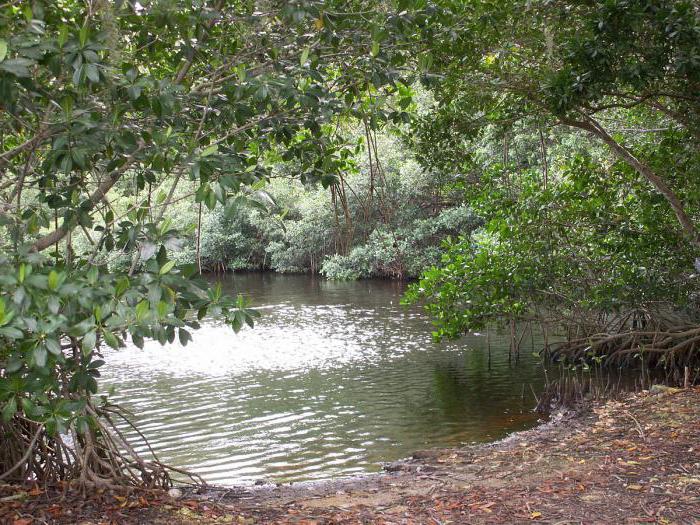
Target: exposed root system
pixel 648 337
pixel 99 457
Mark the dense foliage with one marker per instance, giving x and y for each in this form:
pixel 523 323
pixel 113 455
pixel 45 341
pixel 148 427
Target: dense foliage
pixel 112 111
pixel 389 227
pixel 596 240
pixel 140 139
pixel 598 237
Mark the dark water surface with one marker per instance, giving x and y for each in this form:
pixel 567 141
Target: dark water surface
pixel 334 379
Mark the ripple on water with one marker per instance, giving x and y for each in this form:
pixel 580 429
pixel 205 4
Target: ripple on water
pixel 334 379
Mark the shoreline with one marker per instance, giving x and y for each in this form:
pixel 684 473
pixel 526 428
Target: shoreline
pixel 633 460
pixel 419 462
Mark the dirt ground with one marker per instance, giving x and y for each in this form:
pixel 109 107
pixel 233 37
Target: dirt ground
pixel 636 460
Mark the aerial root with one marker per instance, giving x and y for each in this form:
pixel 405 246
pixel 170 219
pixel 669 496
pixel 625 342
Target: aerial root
pixel 99 457
pixel 657 339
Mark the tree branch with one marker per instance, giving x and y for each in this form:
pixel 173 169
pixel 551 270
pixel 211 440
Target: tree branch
pixel 624 154
pixel 96 197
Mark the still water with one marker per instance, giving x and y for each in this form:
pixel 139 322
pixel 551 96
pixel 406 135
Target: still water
pixel 335 379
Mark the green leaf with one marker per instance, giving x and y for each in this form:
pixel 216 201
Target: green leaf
pixel 210 150
pixel 137 340
pixel 82 327
pixel 230 208
pixel 249 320
pixel 53 280
pixel 9 409
pixel 3 49
pixel 92 275
pixel 78 75
pixel 53 346
pixel 184 336
pixel 83 35
pixel 13 365
pixel 162 308
pixel 28 407
pixel 167 267
pixel 155 292
pixel 134 92
pixel 110 339
pixel 121 286
pixel 51 426
pixel 211 200
pixel 39 353
pixel 88 342
pixel 262 92
pixel 142 310
pixel 92 73
pixel 11 332
pixel 241 72
pixel 236 322
pixel 82 425
pixel 18 67
pixel 5 316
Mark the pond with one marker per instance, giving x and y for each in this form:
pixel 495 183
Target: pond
pixel 335 379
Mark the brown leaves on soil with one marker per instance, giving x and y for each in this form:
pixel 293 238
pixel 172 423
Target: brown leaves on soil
pixel 55 505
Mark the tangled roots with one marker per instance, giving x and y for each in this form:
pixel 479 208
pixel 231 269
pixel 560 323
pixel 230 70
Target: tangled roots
pixel 100 456
pixel 657 339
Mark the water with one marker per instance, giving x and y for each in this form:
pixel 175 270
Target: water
pixel 335 379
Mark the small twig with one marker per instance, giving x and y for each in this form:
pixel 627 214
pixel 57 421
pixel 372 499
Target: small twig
pixel 639 427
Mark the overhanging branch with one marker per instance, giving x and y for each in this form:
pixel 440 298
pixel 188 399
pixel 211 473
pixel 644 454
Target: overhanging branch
pixel 624 154
pixel 95 198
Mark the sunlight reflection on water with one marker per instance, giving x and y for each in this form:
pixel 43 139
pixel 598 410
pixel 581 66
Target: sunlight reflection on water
pixel 334 379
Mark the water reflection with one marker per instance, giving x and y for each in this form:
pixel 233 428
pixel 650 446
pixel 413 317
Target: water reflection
pixel 335 379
